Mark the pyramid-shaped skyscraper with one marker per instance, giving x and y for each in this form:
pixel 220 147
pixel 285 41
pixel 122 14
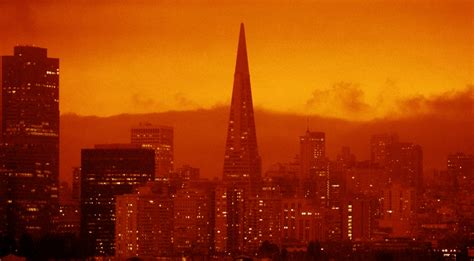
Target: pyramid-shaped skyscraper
pixel 242 161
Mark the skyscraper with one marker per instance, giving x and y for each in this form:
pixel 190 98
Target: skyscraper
pixel 194 218
pixel 106 172
pixel 314 167
pixel 241 161
pixel 144 223
pixel 242 165
pixel 460 170
pixel 406 164
pixel 398 210
pixel 312 152
pixel 30 139
pixel 160 138
pixel 380 148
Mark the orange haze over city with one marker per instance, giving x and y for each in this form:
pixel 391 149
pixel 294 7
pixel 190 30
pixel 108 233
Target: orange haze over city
pixel 354 60
pixel 374 66
pixel 237 130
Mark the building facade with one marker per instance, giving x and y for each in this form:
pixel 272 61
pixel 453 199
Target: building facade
pixel 312 152
pixel 106 172
pixel 160 138
pixel 29 155
pixel 144 223
pixel 242 163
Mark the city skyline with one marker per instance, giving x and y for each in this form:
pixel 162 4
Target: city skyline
pixel 371 174
pixel 317 49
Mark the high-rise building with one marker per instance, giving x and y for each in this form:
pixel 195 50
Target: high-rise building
pixel 460 170
pixel 402 160
pixel 76 183
pixel 30 139
pixel 358 217
pixel 194 218
pixel 312 152
pixel 346 158
pixel 160 138
pixel 68 219
pixel 398 209
pixel 406 164
pixel 380 148
pixel 241 161
pixel 221 223
pixel 242 164
pixel 285 177
pixel 144 223
pixel 262 218
pixel 106 172
pixel 187 173
pixel 301 223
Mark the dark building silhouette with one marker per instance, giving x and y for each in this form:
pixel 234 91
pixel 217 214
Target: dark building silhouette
pixel 406 164
pixel 68 218
pixel 106 172
pixel 160 138
pixel 187 173
pixel 380 148
pixel 241 161
pixel 242 164
pixel 312 152
pixel 345 158
pixel 402 160
pixel 144 223
pixel 194 218
pixel 314 172
pixel 76 183
pixel 29 157
pixel 460 170
pixel 358 217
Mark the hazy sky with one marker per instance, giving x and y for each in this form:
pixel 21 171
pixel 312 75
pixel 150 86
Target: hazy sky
pixel 349 59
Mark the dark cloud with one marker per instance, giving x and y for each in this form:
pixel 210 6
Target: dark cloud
pixel 183 101
pixel 458 104
pixel 343 96
pixel 347 100
pixel 441 124
pixel 143 103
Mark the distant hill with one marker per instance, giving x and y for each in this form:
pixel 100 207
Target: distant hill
pixel 200 135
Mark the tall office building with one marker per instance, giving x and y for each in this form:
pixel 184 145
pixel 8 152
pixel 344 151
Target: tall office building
pixel 380 148
pixel 345 158
pixel 144 223
pixel 406 164
pixel 301 223
pixel 68 219
pixel 241 161
pixel 314 168
pixel 312 152
pixel 242 164
pixel 358 217
pixel 186 173
pixel 106 172
pixel 194 218
pixel 160 138
pixel 460 170
pixel 263 218
pixel 402 160
pixel 398 210
pixel 221 224
pixel 30 139
pixel 76 183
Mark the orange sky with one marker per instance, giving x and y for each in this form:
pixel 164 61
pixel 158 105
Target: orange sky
pixel 349 59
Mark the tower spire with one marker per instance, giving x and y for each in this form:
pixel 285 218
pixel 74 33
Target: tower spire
pixel 242 65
